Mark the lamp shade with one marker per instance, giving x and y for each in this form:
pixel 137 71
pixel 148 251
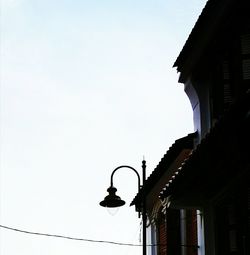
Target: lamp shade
pixel 112 200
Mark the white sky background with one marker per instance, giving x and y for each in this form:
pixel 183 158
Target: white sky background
pixel 86 86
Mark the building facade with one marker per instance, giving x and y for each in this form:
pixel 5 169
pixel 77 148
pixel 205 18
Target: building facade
pixel 198 197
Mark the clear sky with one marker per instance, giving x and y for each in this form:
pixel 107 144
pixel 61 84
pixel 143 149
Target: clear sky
pixel 86 86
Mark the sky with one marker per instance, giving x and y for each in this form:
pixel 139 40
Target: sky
pixel 85 86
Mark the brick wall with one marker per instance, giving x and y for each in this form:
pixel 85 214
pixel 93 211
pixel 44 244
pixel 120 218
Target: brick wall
pixel 191 232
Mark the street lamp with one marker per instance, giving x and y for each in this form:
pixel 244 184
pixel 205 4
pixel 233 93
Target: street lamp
pixel 112 200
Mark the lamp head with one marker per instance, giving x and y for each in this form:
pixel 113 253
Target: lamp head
pixel 112 200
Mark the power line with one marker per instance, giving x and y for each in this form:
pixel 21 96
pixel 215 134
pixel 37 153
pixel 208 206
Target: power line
pixel 87 240
pixel 67 237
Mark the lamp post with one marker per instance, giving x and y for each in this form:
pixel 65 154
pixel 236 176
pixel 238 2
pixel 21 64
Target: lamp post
pixel 112 200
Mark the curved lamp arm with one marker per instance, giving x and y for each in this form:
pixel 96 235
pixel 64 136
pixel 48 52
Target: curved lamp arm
pixel 125 166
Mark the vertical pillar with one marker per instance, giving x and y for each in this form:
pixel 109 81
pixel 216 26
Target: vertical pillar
pixel 144 215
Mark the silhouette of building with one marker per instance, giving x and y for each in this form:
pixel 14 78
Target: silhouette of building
pixel 198 196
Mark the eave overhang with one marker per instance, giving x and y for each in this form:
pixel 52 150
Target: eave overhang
pixel 212 19
pixel 220 158
pixel 166 167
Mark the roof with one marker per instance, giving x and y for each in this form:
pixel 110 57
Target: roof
pixel 209 22
pixel 214 161
pixel 179 145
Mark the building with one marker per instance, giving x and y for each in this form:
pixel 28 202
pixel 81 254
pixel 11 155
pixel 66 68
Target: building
pixel 198 197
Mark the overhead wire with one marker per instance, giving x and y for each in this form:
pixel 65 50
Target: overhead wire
pixel 68 237
pixel 88 240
